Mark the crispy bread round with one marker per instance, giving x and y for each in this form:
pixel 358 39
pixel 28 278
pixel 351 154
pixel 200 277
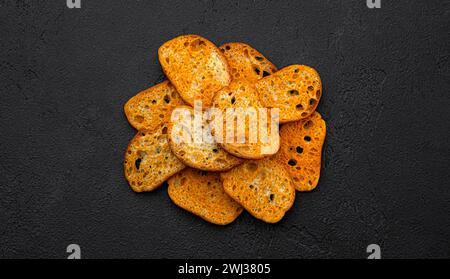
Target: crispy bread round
pixel 195 66
pixel 296 90
pixel 301 150
pixel 202 194
pixel 246 62
pixel 149 160
pixel 241 97
pixel 262 187
pixel 152 107
pixel 195 146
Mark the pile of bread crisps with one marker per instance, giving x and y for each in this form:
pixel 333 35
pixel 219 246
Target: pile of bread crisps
pixel 227 130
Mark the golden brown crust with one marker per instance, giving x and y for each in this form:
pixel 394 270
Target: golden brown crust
pixel 149 160
pixel 301 150
pixel 152 107
pixel 202 194
pixel 246 62
pixel 296 90
pixel 262 187
pixel 195 66
pixel 205 153
pixel 241 94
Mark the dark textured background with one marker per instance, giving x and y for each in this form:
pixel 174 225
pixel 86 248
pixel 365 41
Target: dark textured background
pixel 65 75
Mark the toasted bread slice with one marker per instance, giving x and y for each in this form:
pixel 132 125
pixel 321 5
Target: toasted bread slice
pixel 301 150
pixel 152 107
pixel 295 90
pixel 149 160
pixel 244 139
pixel 195 66
pixel 194 145
pixel 246 62
pixel 262 187
pixel 202 194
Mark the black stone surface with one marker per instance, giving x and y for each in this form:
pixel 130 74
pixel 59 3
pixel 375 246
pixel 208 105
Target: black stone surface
pixel 65 75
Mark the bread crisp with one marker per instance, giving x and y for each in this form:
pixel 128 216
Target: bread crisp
pixel 241 95
pixel 262 187
pixel 301 150
pixel 195 146
pixel 152 107
pixel 195 66
pixel 149 160
pixel 246 62
pixel 295 90
pixel 202 194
